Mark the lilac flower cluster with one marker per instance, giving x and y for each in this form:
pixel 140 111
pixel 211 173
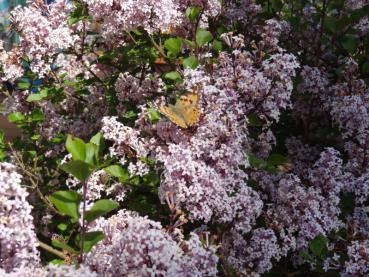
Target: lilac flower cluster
pixel 255 256
pixel 358 253
pixel 135 245
pixel 154 16
pixel 50 270
pixel 18 242
pixel 137 88
pixel 44 31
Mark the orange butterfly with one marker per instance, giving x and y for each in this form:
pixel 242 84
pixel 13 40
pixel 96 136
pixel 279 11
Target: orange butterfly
pixel 186 112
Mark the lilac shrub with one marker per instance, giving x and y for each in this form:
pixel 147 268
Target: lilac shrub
pixel 186 138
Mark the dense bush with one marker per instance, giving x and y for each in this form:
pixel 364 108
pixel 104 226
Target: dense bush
pixel 187 138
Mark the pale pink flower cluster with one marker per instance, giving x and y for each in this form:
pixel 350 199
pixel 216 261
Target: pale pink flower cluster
pixel 135 245
pixel 44 32
pixel 10 64
pixel 166 16
pixel 50 270
pixel 121 16
pixel 98 184
pixel 18 241
pixel 125 138
pixel 255 255
pixel 137 88
pixel 205 169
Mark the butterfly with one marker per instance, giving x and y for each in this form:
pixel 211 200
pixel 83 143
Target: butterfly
pixel 186 112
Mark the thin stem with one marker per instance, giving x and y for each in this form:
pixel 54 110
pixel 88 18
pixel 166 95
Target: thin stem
pixel 33 179
pixel 321 30
pixel 94 74
pixel 48 248
pixel 160 50
pixel 83 229
pixel 131 37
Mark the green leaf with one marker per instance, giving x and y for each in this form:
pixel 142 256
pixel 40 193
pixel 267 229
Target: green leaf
pixel 37 115
pixel 306 255
pixel 62 226
pixel 23 85
pixel 78 169
pixel 357 14
pixel 67 202
pixel 318 245
pixel 154 115
pixel 2 136
pixel 16 116
pixel 73 20
pixel 347 202
pixel 217 45
pixel 174 76
pixel 130 115
pixel 37 96
pixel 117 171
pixel 192 13
pixel 92 154
pixel 90 239
pixel 76 147
pixel 255 161
pixel 365 67
pixel 98 140
pixel 173 45
pixel 276 159
pixel 254 120
pixel 277 5
pixel 331 23
pixel 191 62
pixel 203 37
pixel 350 43
pixel 100 208
pixel 221 30
pixel 36 137
pixel 190 43
pixel 57 262
pixel 58 244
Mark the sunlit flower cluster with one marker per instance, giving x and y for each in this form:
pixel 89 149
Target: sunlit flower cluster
pixel 135 245
pixel 18 242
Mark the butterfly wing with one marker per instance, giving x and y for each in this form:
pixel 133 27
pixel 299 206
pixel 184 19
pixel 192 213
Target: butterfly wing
pixel 173 115
pixel 189 108
pixel 185 112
